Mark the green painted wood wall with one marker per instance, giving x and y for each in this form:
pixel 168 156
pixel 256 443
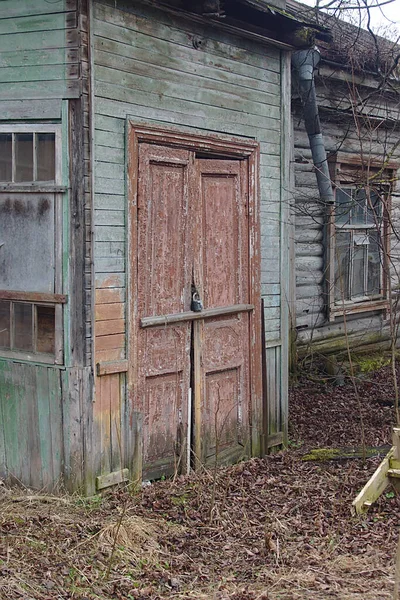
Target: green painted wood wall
pixel 45 410
pixel 147 69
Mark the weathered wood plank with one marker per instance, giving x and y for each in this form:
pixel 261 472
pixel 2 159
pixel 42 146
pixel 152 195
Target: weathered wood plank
pixel 36 58
pixel 30 109
pixel 10 9
pixel 46 90
pixel 183 60
pixel 73 430
pixel 103 419
pixel 116 410
pixel 242 53
pixel 111 264
pixel 115 354
pixel 110 367
pixel 41 72
pixel 110 296
pixel 185 106
pixel 43 426
pixel 108 342
pixel 110 234
pixel 110 327
pixel 27 24
pixel 110 280
pixel 55 431
pixel 114 478
pixel 109 312
pixel 43 40
pixel 110 106
pixel 107 249
pixel 109 217
pixel 111 68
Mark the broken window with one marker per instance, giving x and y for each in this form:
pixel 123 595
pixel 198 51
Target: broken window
pixel 358 253
pixel 358 240
pixel 30 242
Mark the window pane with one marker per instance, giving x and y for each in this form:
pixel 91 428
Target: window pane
pixel 23 326
pixel 374 209
pixel 374 265
pixel 27 257
pixel 5 157
pixel 343 206
pixel 342 261
pixel 24 157
pixel 4 324
pixel 358 213
pixel 46 159
pixel 45 341
pixel 359 253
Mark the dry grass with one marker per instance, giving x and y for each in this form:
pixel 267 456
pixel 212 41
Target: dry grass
pixel 281 528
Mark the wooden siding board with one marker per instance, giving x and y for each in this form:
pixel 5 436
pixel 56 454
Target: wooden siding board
pixel 43 426
pixel 30 109
pixel 55 408
pixel 148 102
pixel 9 9
pixel 187 61
pixel 133 74
pixel 249 57
pixel 37 90
pixel 36 58
pixel 28 24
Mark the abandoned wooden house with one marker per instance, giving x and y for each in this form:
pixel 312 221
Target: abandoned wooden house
pixel 344 237
pixel 144 167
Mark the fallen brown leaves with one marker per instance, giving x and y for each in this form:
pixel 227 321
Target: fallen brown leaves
pixel 281 527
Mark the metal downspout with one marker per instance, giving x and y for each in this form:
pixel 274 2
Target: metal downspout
pixel 304 63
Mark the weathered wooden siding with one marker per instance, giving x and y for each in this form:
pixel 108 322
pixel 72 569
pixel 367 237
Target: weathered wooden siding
pixel 315 334
pixel 45 411
pixel 39 56
pixel 31 418
pixel 147 69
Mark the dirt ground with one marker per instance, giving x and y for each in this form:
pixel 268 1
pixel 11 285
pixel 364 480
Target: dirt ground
pixel 278 528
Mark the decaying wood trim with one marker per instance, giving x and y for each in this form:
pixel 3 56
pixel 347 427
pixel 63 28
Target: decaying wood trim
pixel 13 188
pixel 111 366
pixel 77 233
pixel 195 316
pixel 33 297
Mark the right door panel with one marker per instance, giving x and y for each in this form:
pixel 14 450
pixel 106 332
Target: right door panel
pixel 222 278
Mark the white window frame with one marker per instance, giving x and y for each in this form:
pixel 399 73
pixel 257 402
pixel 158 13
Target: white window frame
pixel 50 187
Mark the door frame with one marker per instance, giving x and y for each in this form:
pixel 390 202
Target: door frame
pixel 217 146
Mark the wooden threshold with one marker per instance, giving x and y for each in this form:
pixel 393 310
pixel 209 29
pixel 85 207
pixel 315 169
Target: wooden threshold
pixel 195 316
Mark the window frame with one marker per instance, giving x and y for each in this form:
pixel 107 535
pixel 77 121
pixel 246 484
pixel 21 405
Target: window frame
pixel 55 188
pixel 342 180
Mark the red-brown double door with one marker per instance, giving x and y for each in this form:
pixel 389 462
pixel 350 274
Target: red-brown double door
pixel 192 369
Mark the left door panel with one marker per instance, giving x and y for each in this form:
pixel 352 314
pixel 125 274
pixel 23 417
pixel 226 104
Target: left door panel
pixel 163 286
